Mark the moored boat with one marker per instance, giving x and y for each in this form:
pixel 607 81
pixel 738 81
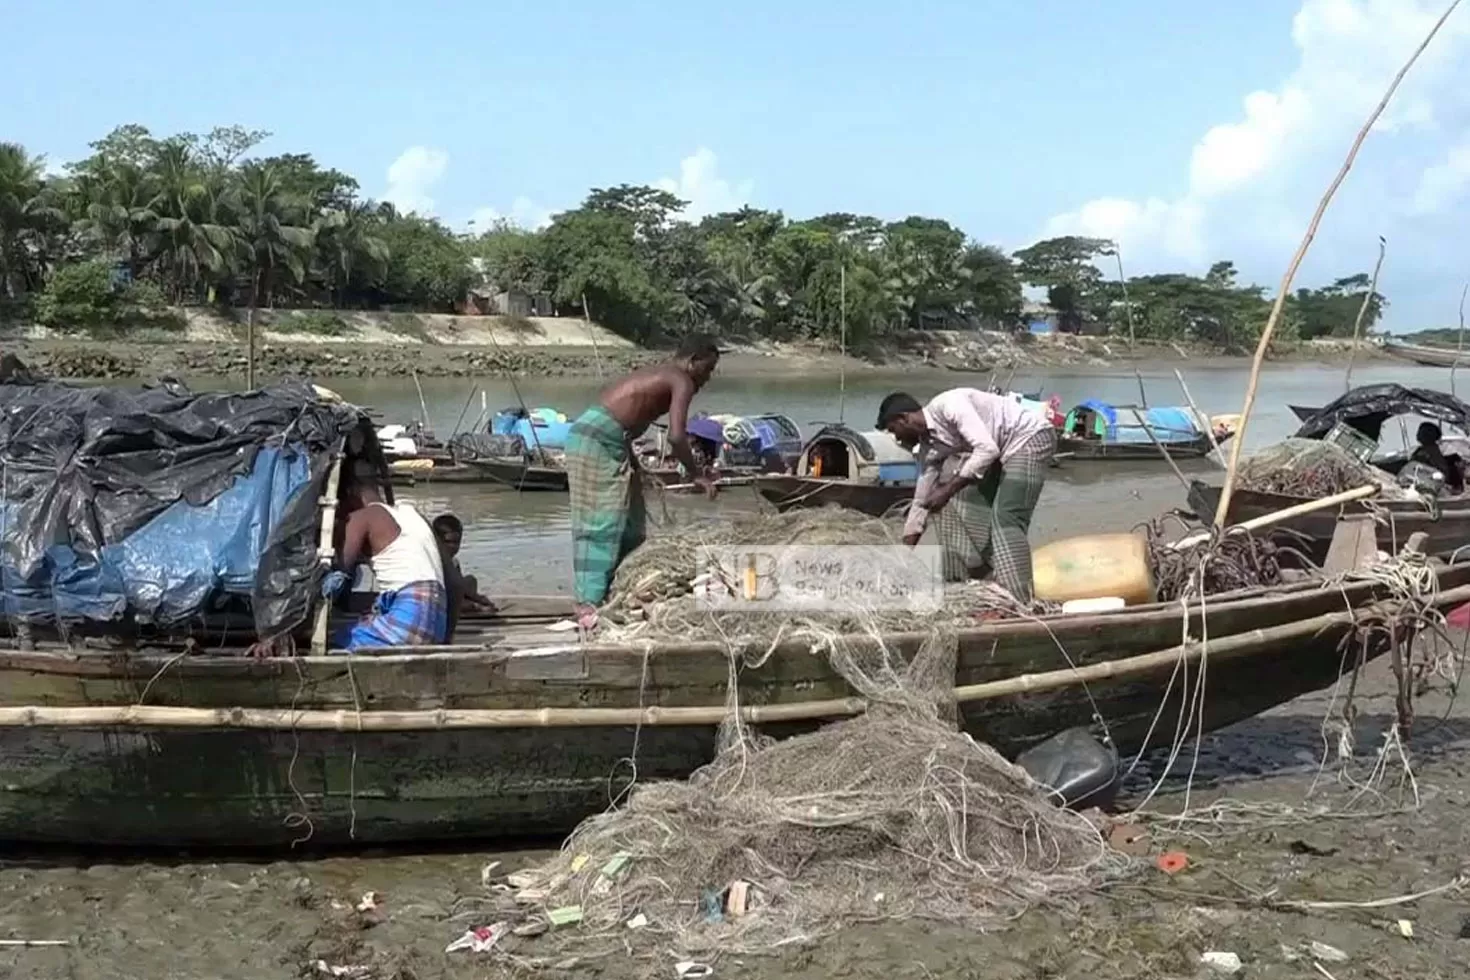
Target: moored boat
pixel 1427 356
pixel 522 732
pixel 841 467
pixel 1097 430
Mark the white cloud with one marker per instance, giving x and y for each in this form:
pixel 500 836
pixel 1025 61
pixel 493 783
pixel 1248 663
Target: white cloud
pixel 700 184
pixel 523 213
pixel 412 176
pixel 1250 181
pixel 1444 183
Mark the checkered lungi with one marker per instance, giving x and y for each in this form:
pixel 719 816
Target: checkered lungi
pixel 609 518
pixel 985 525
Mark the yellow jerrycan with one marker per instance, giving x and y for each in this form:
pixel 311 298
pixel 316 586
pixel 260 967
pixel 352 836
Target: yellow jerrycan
pixel 1094 566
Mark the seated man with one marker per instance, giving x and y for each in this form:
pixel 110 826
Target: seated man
pixel 1430 454
pixel 464 590
pixel 412 607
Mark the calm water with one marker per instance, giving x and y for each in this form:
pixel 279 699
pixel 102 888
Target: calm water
pixel 520 543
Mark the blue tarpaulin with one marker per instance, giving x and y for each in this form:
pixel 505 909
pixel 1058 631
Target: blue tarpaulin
pixel 551 430
pixel 1169 424
pixel 159 507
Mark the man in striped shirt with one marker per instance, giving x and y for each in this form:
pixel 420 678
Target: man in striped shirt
pixel 984 460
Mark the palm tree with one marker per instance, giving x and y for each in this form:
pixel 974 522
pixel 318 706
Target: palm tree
pixel 271 237
pixel 26 212
pixel 347 246
pixel 120 205
pixel 188 237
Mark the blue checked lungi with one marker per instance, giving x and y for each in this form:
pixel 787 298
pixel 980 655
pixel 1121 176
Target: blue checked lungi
pixel 415 615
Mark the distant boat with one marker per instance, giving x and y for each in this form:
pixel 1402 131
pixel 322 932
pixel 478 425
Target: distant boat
pixel 863 471
pixel 1096 430
pixel 1428 356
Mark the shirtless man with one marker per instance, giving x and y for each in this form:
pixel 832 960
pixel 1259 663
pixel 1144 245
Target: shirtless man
pixel 608 516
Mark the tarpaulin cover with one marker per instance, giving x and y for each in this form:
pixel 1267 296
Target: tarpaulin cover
pixel 156 506
pixel 1367 408
pixel 546 427
pixel 1169 424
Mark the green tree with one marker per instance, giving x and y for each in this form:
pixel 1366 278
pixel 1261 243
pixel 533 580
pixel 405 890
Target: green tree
pixel 427 268
pixel 1067 268
pixel 27 213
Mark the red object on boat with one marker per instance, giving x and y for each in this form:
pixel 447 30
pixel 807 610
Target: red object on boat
pixel 1459 617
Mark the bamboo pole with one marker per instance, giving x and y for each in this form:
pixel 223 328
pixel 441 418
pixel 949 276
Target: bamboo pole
pixel 1460 342
pixel 1162 451
pixel 285 719
pixel 423 405
pixel 587 325
pixel 1200 417
pixel 325 553
pixel 1347 381
pixel 1286 514
pixel 1265 342
pixel 1128 309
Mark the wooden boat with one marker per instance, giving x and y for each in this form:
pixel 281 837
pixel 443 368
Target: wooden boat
pixel 522 732
pixel 1428 356
pixel 841 467
pixel 521 474
pixel 1096 430
pixel 1446 520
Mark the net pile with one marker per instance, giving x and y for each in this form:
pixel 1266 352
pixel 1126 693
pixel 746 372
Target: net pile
pixel 653 591
pixel 1221 562
pixel 892 815
pixel 1311 468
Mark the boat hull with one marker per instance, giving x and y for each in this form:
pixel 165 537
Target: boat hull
pixel 794 492
pixel 1074 450
pixel 540 771
pixel 1427 356
pixel 520 475
pixel 1446 530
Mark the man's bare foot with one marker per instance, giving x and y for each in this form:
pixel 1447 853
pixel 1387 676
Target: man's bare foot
pixel 586 616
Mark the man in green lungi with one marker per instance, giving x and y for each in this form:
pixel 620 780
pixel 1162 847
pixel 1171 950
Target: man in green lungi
pixel 608 515
pixel 998 454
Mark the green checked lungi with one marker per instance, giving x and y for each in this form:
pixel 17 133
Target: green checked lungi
pixel 986 524
pixel 609 519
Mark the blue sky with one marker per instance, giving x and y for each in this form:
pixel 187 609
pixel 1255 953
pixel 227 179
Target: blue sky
pixel 1189 132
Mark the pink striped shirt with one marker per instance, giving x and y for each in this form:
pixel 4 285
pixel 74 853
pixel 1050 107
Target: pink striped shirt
pixel 967 420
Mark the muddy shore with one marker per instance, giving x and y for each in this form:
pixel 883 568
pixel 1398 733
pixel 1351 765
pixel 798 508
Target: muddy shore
pixel 92 359
pixel 1260 838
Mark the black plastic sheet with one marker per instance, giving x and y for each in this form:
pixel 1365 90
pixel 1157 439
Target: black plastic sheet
pixel 1367 408
pixel 156 506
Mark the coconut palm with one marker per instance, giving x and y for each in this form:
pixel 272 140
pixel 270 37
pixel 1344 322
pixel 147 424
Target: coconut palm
pixel 347 246
pixel 26 212
pixel 271 235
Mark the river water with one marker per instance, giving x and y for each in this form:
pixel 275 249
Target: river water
pixel 520 543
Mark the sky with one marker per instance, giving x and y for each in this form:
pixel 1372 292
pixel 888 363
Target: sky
pixel 1188 133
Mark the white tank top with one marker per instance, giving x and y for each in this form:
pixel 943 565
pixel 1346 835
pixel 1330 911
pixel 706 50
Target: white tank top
pixel 412 557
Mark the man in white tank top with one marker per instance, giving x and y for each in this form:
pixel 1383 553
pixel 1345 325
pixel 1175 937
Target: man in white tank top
pixel 412 608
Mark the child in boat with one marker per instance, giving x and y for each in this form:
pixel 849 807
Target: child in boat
pixel 412 606
pixel 464 590
pixel 985 507
pixel 606 491
pixel 1430 453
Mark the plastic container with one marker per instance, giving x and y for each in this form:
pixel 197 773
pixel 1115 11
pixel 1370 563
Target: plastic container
pixel 1346 437
pixel 1094 566
pixel 1078 769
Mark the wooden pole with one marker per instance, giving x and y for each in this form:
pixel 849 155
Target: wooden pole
pixel 1128 309
pixel 1347 381
pixel 1460 346
pixel 1260 641
pixel 842 348
pixel 1286 514
pixel 1200 417
pixel 587 325
pixel 423 405
pixel 1160 447
pixel 1265 342
pixel 325 554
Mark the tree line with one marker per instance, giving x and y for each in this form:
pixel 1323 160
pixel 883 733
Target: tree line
pixel 146 223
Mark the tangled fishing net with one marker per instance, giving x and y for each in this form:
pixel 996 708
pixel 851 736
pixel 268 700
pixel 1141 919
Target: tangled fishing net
pixel 1218 560
pixel 891 815
pixel 1311 468
pixel 659 590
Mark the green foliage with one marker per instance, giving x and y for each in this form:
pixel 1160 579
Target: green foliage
pixel 78 297
pixel 197 218
pixel 317 323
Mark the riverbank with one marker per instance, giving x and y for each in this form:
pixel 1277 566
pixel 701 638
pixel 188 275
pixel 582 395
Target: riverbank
pixel 940 353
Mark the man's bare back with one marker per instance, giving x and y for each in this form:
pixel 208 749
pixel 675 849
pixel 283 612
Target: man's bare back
pixel 639 399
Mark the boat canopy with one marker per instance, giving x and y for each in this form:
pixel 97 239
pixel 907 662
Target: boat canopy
pixel 1099 420
pixel 1367 408
pixel 543 427
pixel 156 507
pixel 868 457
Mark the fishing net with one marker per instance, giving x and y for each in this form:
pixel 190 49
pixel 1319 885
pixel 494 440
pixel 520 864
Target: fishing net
pixel 1311 468
pixel 891 815
pixel 660 590
pixel 1217 561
